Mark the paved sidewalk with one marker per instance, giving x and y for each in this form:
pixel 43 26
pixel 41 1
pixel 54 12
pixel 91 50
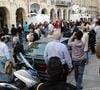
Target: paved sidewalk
pixel 91 78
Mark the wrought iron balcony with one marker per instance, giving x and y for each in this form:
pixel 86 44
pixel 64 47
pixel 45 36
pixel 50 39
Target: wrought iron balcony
pixel 61 2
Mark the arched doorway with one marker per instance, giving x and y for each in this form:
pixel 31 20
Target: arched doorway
pixel 44 11
pixel 59 14
pixel 52 15
pixel 64 14
pixel 4 16
pixel 20 16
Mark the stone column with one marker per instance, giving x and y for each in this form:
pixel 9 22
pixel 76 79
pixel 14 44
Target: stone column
pixel 67 14
pixel 61 17
pixel 12 18
pixel 55 15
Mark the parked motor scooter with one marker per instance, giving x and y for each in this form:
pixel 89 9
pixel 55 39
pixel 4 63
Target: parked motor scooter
pixel 24 79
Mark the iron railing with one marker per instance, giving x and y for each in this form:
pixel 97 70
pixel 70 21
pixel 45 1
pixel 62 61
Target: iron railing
pixel 61 2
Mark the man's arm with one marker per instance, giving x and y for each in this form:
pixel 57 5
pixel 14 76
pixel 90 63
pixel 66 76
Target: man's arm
pixel 84 39
pixel 46 54
pixel 7 53
pixel 67 57
pixel 70 41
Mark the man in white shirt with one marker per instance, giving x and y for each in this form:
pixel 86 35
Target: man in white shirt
pixel 50 27
pixel 85 40
pixel 97 30
pixel 4 54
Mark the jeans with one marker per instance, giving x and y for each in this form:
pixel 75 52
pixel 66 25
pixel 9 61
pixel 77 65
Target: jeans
pixel 3 59
pixel 65 73
pixel 21 38
pixel 87 56
pixel 78 70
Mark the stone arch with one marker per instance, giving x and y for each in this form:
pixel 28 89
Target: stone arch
pixel 44 11
pixel 59 14
pixel 64 14
pixel 69 13
pixel 20 16
pixel 4 16
pixel 52 14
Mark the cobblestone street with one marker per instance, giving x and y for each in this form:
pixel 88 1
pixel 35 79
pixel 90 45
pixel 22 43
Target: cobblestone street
pixel 91 78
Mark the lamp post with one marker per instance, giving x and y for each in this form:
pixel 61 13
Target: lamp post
pixel 28 6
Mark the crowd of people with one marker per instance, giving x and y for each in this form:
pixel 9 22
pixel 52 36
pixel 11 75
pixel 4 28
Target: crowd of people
pixel 83 37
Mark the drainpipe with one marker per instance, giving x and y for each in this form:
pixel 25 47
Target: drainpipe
pixel 28 6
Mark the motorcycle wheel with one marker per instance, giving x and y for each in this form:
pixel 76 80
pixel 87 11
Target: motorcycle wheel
pixel 18 83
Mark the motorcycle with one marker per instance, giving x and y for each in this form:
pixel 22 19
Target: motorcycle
pixel 24 79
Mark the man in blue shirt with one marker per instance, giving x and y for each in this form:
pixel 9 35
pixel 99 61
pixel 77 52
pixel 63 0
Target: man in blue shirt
pixel 25 26
pixel 56 48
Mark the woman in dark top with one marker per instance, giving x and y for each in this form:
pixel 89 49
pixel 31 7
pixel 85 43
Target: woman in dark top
pixel 55 81
pixel 17 48
pixel 92 40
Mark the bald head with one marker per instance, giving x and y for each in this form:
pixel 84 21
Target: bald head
pixel 57 34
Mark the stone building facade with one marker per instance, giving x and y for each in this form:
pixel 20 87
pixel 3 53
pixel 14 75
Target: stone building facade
pixel 98 7
pixel 56 9
pixel 12 12
pixel 90 5
pixel 17 11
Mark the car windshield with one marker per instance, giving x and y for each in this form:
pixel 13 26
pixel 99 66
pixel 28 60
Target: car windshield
pixel 37 49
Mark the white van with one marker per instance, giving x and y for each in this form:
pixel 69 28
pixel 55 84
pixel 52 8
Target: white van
pixel 77 17
pixel 37 18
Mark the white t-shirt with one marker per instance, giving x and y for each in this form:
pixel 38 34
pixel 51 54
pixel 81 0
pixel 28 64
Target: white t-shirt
pixel 85 40
pixel 4 51
pixel 97 30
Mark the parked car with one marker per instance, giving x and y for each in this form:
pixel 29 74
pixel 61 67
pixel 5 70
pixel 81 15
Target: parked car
pixel 35 55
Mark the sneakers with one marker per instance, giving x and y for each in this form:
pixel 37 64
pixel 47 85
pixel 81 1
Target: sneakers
pixel 79 87
pixel 86 62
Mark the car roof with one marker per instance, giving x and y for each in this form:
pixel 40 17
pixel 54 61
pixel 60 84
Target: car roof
pixel 46 40
pixel 63 39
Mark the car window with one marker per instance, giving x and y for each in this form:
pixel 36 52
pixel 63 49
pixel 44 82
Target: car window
pixel 39 49
pixel 65 42
pixel 36 49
